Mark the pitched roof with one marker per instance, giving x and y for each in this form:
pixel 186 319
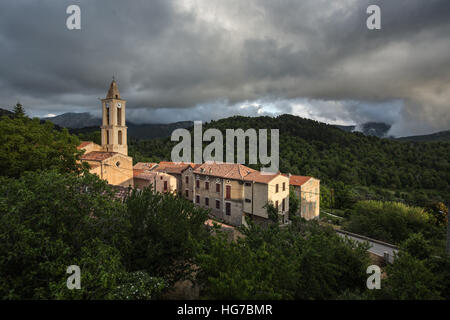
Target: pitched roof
pixel 83 144
pixel 97 155
pixel 113 92
pixel 224 170
pixel 298 180
pixel 172 167
pixel 257 176
pixel 144 165
pixel 144 174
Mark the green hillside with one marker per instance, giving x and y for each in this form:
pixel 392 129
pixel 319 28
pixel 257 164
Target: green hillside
pixel 313 148
pixel 443 136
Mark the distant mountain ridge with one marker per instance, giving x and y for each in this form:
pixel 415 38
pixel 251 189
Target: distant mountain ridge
pixel 442 136
pixel 377 129
pixel 75 120
pixel 84 122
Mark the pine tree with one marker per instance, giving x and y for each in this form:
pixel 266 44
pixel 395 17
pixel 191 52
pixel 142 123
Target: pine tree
pixel 19 111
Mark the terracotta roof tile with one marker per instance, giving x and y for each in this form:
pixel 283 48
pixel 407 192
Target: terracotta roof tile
pixel 298 180
pixel 224 170
pixel 257 176
pixel 84 144
pixel 172 167
pixel 145 165
pixel 97 155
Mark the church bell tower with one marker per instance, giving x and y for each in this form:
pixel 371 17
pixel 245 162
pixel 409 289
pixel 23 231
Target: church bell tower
pixel 114 130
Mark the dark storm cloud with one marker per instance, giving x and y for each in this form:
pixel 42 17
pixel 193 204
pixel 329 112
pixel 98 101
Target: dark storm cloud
pixel 205 59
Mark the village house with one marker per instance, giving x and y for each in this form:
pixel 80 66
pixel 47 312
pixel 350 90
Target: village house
pixel 230 191
pixel 307 190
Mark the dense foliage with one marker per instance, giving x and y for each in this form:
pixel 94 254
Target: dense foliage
pixel 392 222
pixel 313 148
pixel 28 145
pixel 303 261
pixel 53 215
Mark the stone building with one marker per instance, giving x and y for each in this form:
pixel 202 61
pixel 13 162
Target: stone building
pixel 110 160
pixel 307 190
pixel 233 191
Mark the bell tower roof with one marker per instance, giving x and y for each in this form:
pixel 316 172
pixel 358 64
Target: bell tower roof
pixel 113 92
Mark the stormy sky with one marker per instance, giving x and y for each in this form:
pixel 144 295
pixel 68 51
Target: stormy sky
pixel 208 59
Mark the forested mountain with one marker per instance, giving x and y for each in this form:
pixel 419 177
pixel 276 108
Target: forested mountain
pixel 377 129
pixel 313 148
pixel 4 112
pixel 75 120
pixel 85 123
pixel 443 136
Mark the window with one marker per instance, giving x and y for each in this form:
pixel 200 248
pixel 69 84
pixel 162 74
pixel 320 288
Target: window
pixel 187 193
pixel 107 114
pixel 165 185
pixel 217 204
pixel 248 200
pixel 207 202
pixel 207 185
pixel 118 164
pixel 119 137
pixel 197 199
pixel 187 180
pixel 276 204
pixel 119 116
pixel 107 136
pixel 283 205
pixel 228 208
pixel 284 186
pixel 217 187
pixel 248 184
pixel 197 184
pixel 228 193
pixel 276 188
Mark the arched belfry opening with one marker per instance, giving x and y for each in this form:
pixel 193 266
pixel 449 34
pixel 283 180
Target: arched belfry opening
pixel 114 132
pixel 119 137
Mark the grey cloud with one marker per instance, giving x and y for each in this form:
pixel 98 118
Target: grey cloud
pixel 176 58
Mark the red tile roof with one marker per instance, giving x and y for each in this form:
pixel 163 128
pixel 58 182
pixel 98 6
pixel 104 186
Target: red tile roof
pixel 97 155
pixel 224 170
pixel 298 180
pixel 257 176
pixel 172 167
pixel 84 144
pixel 145 165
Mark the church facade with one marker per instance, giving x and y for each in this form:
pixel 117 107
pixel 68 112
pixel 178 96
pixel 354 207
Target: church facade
pixel 110 160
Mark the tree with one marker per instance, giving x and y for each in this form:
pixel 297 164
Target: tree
pixel 409 279
pixel 392 222
pixel 301 261
pixel 28 145
pixel 417 246
pixel 49 221
pixel 294 203
pixel 19 111
pixel 166 232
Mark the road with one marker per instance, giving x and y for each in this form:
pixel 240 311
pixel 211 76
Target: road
pixel 377 247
